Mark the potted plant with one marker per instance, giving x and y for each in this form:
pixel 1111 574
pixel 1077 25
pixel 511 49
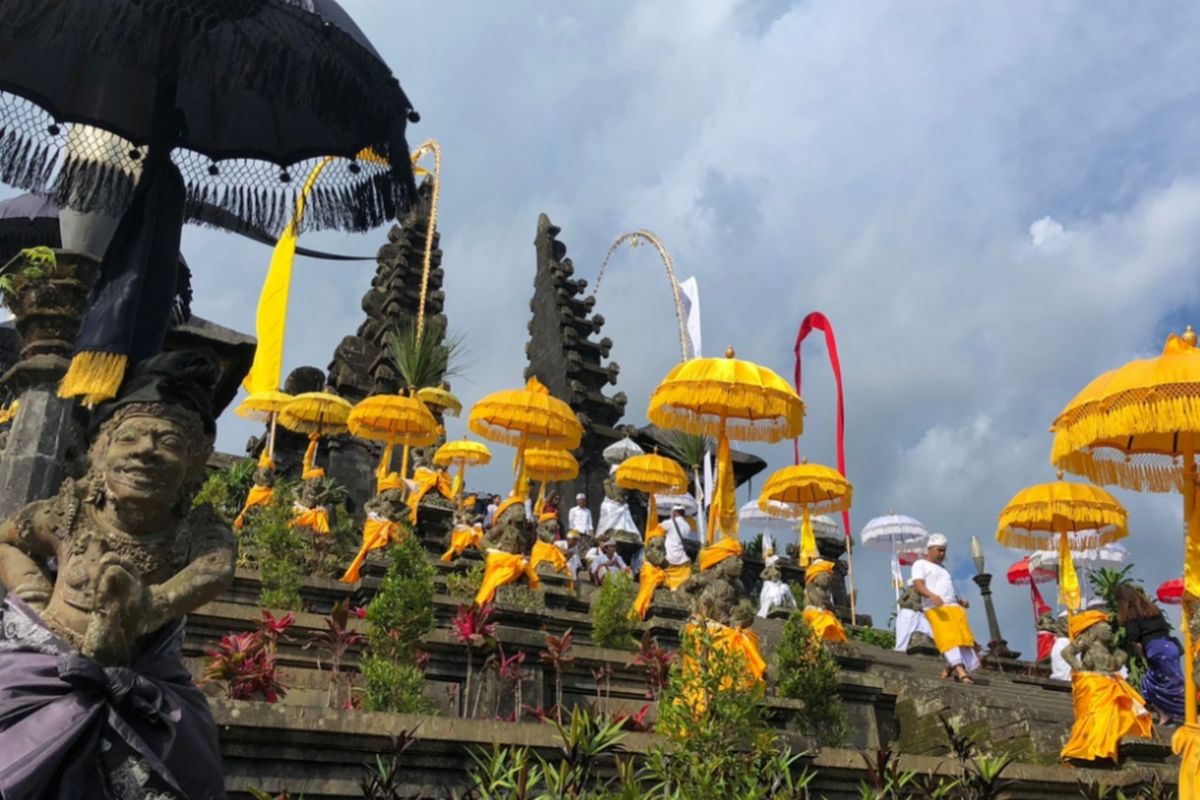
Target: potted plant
pixel 47 292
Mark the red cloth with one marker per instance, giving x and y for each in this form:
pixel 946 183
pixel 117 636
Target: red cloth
pixel 818 321
pixel 1045 643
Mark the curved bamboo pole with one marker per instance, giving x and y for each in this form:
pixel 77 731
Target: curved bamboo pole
pixel 635 239
pixel 428 146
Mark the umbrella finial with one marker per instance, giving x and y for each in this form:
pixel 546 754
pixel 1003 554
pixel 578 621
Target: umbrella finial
pixel 1060 474
pixel 1189 336
pixel 729 353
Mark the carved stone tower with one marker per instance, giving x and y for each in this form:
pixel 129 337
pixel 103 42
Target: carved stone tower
pixel 568 361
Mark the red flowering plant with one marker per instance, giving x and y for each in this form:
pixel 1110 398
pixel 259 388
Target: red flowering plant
pixel 557 655
pixel 334 643
pixel 508 668
pixel 655 663
pixel 473 626
pixel 244 665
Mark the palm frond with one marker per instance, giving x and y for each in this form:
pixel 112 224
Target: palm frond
pixel 427 360
pixel 687 448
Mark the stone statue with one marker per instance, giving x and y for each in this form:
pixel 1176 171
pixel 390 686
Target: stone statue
pixel 1095 650
pixel 547 531
pixel 818 592
pixel 91 658
pixel 775 593
pixel 614 492
pixel 656 552
pixel 615 518
pixel 390 504
pixel 910 600
pixel 510 531
pixel 718 594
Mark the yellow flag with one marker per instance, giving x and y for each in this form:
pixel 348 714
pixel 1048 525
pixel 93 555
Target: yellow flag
pixel 808 540
pixel 271 320
pixel 1068 580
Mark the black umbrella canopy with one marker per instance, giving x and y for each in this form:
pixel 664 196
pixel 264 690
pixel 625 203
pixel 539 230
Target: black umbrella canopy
pixel 249 94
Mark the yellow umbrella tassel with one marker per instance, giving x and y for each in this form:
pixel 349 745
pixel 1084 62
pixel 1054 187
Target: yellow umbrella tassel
pixel 94 376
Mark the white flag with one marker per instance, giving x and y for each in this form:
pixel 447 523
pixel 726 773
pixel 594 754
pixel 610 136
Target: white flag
pixel 689 296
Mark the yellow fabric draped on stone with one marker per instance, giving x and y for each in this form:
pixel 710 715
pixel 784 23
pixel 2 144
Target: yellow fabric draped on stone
pixel 308 469
pixel 825 626
pixel 426 480
pixel 546 552
pixel 462 537
pixel 1186 744
pixel 258 496
pixel 377 532
pixel 1107 709
pixel 950 627
pixel 650 578
pixel 502 568
pixel 717 552
pixel 315 518
pixel 271 319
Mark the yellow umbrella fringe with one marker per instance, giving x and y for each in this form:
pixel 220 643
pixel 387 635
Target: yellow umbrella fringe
pixel 767 429
pixel 1084 515
pixel 1044 540
pixel 94 376
pixel 1128 474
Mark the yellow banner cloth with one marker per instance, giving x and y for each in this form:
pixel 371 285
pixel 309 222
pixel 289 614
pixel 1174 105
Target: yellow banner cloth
pixel 1068 579
pixel 258 496
pixel 377 532
pixel 825 626
pixel 717 552
pixel 462 537
pixel 1186 744
pixel 502 568
pixel 950 627
pixel 315 518
pixel 1107 709
pixel 723 513
pixel 271 318
pixel 808 540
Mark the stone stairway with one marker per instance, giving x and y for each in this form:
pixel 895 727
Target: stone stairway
pixel 891 699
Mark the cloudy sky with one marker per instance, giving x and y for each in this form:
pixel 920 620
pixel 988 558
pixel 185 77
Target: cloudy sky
pixel 992 203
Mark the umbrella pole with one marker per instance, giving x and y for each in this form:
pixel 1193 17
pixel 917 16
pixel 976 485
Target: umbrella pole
pixel 462 483
pixel 271 438
pixel 404 463
pixel 1192 532
pixel 850 579
pixel 519 468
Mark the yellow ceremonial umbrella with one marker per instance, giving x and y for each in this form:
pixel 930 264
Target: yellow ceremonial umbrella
pixel 317 414
pixel 524 418
pixel 393 419
pixel 1063 516
pixel 801 491
pixel 264 407
pixel 652 474
pixel 727 398
pixel 462 453
pixel 1137 427
pixel 438 398
pixel 549 466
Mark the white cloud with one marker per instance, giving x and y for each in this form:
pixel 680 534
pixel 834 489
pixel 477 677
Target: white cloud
pixel 1048 235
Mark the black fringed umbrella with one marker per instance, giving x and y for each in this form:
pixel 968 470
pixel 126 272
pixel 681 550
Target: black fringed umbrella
pixel 154 111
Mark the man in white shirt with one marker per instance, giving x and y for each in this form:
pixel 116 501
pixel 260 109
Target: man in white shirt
pixel 945 611
pixel 489 518
pixel 675 528
pixel 580 518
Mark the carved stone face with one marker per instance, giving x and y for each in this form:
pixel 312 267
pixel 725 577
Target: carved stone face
pixel 1104 633
pixel 147 460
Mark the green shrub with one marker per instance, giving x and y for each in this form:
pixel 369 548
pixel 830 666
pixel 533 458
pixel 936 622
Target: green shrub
pixel 612 626
pixel 389 686
pixel 225 490
pixel 464 586
pixel 278 552
pixel 875 636
pixel 401 614
pixel 809 673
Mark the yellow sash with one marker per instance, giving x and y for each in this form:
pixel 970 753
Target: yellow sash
pixel 377 532
pixel 502 568
pixel 950 627
pixel 1107 709
pixel 544 551
pixel 258 496
pixel 425 480
pixel 462 537
pixel 315 518
pixel 825 626
pixel 715 553
pixel 650 579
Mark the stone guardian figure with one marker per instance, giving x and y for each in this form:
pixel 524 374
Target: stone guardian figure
pixel 96 701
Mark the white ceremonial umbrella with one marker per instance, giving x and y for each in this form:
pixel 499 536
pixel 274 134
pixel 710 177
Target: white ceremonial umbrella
pixel 894 533
pixel 617 452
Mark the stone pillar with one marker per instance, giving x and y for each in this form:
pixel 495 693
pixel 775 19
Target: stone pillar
pixel 997 647
pixel 44 434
